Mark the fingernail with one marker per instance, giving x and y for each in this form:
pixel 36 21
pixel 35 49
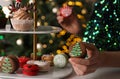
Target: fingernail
pixel 70 60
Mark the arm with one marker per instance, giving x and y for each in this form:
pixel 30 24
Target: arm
pixel 95 60
pixel 110 59
pixel 70 23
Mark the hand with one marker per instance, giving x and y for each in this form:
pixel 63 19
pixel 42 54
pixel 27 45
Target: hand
pixel 84 66
pixel 69 23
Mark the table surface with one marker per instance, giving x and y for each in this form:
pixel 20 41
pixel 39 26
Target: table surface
pixel 101 73
pixel 68 73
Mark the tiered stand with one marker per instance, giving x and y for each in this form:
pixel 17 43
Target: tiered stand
pixel 54 73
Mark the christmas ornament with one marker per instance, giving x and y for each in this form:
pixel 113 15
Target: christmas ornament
pixel 66 11
pixel 23 60
pixel 30 69
pixel 60 60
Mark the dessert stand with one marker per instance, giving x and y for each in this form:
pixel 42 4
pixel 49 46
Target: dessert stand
pixel 53 73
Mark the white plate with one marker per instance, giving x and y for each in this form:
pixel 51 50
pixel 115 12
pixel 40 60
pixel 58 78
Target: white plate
pixel 54 73
pixel 39 30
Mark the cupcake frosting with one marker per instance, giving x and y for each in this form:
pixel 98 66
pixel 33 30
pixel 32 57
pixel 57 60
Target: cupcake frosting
pixel 22 14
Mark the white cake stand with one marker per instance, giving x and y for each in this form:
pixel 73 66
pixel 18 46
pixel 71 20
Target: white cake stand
pixel 39 30
pixel 54 73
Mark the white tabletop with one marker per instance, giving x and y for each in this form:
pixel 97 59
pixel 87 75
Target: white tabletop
pixel 101 73
pixel 68 73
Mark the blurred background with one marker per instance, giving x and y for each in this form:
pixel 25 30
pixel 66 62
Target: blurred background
pixel 53 43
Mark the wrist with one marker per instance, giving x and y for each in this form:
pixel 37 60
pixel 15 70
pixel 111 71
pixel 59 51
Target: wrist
pixel 102 59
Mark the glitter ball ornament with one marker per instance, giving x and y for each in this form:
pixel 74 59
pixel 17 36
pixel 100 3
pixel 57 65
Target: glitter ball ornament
pixel 60 60
pixel 66 11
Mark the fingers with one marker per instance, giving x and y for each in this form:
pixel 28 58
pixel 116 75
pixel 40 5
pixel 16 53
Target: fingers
pixel 91 49
pixel 60 19
pixel 83 69
pixel 89 46
pixel 83 61
pixel 76 69
pixel 58 13
pixel 92 54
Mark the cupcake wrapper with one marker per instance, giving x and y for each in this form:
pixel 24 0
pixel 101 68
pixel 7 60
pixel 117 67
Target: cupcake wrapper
pixel 22 25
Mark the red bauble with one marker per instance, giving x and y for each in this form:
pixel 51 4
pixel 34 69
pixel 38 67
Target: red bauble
pixel 18 0
pixel 30 69
pixel 66 11
pixel 23 60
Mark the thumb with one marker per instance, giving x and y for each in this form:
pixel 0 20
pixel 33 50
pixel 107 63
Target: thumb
pixel 90 48
pixel 89 53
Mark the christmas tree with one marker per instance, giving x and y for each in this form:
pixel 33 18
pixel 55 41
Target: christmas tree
pixel 104 27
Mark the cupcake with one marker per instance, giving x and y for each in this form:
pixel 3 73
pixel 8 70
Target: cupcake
pixel 77 50
pixel 48 58
pixel 3 19
pixel 21 20
pixel 9 64
pixel 0 62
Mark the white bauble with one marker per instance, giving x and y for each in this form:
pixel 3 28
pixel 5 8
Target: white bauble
pixel 60 60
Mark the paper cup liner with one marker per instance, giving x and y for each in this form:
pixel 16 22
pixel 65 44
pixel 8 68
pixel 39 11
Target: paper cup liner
pixel 22 25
